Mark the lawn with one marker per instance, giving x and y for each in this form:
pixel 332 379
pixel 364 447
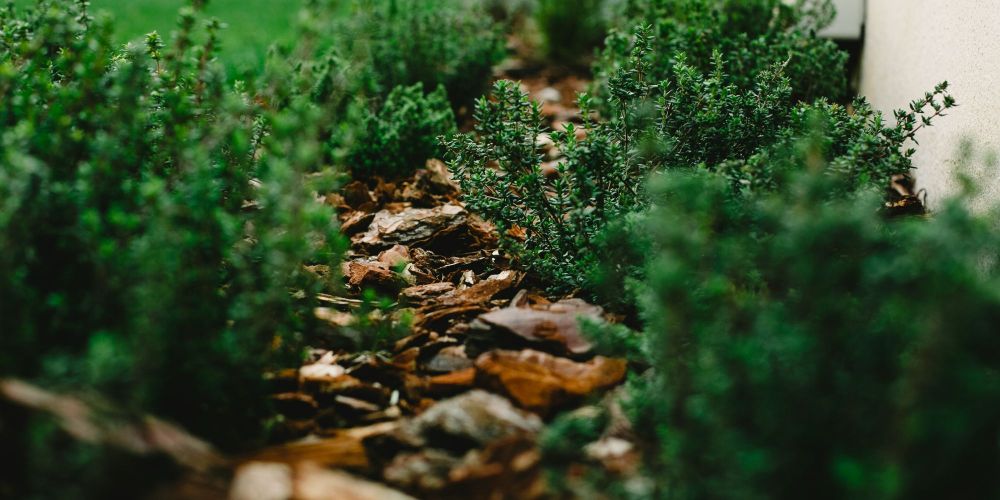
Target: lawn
pixel 252 25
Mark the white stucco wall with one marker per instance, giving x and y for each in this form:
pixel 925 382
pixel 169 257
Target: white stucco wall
pixel 911 45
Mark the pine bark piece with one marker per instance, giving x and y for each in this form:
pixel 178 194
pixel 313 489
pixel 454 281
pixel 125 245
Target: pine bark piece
pixel 543 383
pixel 356 222
pixel 413 226
pixel 473 419
pixel 316 483
pixel 484 290
pixel 343 450
pixel 554 328
pixel 360 273
pixel 436 179
pixel 356 195
pixel 451 383
pixel 423 293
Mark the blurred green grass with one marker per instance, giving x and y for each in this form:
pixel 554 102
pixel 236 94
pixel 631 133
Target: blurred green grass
pixel 252 25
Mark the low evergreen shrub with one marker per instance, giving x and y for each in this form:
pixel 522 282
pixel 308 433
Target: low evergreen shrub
pixel 392 43
pixel 695 121
pixel 751 36
pixel 154 226
pixel 402 135
pixel 571 29
pixel 806 347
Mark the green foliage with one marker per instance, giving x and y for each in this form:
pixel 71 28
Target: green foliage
pixel 571 29
pixel 693 121
pixel 560 215
pixel 251 25
pixel 403 134
pixel 752 37
pixel 393 43
pixel 382 66
pixel 852 142
pixel 809 348
pixel 154 222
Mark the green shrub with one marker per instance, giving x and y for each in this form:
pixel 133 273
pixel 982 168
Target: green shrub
pixel 560 215
pixel 752 36
pixel 855 141
pixel 392 43
pixel 571 29
pixel 403 134
pixel 154 222
pixel 806 348
pixel 694 121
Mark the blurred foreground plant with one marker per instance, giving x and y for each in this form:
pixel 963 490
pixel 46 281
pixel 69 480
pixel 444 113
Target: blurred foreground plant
pixel 154 227
pixel 802 346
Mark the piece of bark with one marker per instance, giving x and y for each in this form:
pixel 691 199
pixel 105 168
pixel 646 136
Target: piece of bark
pixel 316 483
pixel 356 194
pixel 360 274
pixel 395 256
pixel 447 360
pixel 543 383
pixel 554 327
pixel 424 293
pixel 452 383
pixel 356 222
pixel 484 290
pixel 413 226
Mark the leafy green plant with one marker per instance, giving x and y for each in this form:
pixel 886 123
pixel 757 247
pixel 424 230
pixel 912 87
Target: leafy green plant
pixel 155 222
pixel 807 347
pixel 853 142
pixel 752 36
pixel 571 29
pixel 558 216
pixel 395 43
pixel 692 121
pixel 402 135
